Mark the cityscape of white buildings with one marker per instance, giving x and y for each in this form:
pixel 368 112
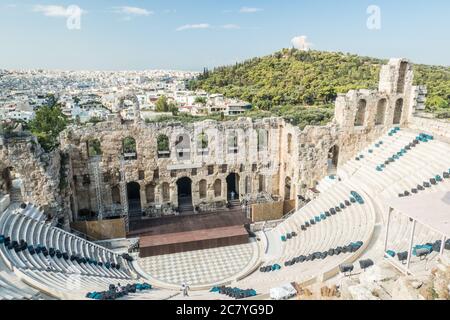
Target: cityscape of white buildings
pixel 94 95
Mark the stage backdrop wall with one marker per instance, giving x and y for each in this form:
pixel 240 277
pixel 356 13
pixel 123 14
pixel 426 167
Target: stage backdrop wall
pixel 267 211
pixel 101 230
pixel 288 206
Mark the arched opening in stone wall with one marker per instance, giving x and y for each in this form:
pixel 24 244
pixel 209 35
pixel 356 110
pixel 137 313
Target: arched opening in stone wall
pixel 202 144
pixel 165 190
pixel 398 111
pixel 163 145
pixel 129 148
pixel 381 111
pixel 115 194
pixel 402 77
pixel 6 181
pixel 94 148
pixel 217 188
pixel 84 204
pixel 333 159
pixel 361 113
pixel 134 198
pixel 287 188
pixel 183 147
pixel 202 186
pixel 263 138
pixel 248 185
pixel 261 183
pixel 289 143
pixel 11 183
pixel 150 192
pixel 184 192
pixel 232 142
pixel 233 186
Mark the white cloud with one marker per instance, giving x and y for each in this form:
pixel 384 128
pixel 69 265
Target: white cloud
pixel 231 26
pixel 301 43
pixel 133 11
pixel 249 10
pixel 194 26
pixel 55 11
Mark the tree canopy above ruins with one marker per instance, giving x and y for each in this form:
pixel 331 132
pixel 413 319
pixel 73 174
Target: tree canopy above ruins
pixel 312 78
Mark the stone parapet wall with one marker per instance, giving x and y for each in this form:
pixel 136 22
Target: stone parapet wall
pixel 433 126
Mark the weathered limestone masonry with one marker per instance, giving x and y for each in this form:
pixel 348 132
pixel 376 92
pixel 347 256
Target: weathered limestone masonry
pixel 206 153
pixel 363 115
pixel 436 127
pixel 268 155
pixel 31 175
pixel 116 167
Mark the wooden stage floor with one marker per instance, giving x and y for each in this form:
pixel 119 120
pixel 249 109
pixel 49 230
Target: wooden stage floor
pixel 176 224
pixel 192 240
pixel 176 234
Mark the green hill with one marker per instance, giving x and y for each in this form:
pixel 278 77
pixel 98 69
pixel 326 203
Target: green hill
pixel 291 77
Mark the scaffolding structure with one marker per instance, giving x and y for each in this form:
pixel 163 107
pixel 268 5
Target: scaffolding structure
pixel 94 167
pixel 124 195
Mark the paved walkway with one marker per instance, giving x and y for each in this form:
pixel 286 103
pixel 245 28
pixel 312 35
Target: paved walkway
pixel 200 267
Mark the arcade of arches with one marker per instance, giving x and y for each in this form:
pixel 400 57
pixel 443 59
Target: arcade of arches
pixel 209 163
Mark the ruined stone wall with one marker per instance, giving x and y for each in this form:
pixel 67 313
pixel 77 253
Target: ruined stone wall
pixel 255 160
pixel 266 155
pixel 364 115
pixel 38 172
pixel 314 145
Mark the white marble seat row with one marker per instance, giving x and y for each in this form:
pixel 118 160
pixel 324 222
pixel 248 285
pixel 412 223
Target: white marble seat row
pixel 33 212
pixel 71 286
pixel 357 222
pixel 20 227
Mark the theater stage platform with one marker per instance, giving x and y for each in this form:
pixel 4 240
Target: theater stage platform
pixel 192 240
pixel 182 223
pixel 176 234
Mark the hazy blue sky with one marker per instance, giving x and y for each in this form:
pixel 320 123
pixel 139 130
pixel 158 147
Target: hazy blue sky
pixel 191 34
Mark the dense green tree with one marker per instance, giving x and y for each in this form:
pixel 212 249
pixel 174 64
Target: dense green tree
pixel 47 125
pixel 163 143
pixel 313 78
pixel 436 103
pixel 162 105
pixel 129 145
pixel 200 100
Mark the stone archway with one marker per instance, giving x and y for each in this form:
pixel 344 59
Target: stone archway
pixel 150 193
pixel 381 111
pixel 217 188
pixel 398 111
pixel 202 189
pixel 333 159
pixel 233 186
pixel 248 185
pixel 360 117
pixel 184 186
pixel 134 198
pixel 287 188
pixel 12 184
pixel 183 147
